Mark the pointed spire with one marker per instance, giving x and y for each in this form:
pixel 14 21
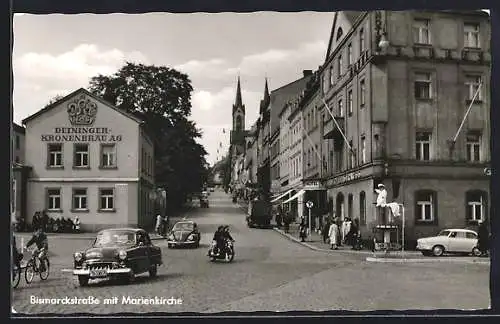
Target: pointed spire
pixel 239 101
pixel 266 91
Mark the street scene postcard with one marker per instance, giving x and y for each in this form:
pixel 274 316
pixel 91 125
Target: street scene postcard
pixel 245 162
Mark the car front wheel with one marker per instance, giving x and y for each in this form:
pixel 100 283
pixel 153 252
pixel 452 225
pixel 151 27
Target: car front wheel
pixel 83 281
pixel 438 250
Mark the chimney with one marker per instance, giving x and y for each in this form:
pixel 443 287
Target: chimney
pixel 307 72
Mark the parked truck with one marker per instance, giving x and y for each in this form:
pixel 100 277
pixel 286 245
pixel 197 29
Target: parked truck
pixel 259 214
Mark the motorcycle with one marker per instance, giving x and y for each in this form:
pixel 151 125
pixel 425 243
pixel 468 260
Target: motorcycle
pixel 226 254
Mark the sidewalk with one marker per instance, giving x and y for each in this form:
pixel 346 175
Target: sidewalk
pixel 315 242
pixel 90 235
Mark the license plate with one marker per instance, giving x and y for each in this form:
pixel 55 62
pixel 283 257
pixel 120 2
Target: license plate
pixel 98 273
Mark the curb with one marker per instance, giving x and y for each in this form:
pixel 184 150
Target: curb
pixel 430 260
pixel 296 240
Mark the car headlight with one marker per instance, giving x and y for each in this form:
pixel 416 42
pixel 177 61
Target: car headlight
pixel 171 237
pixel 122 255
pixel 190 237
pixel 78 257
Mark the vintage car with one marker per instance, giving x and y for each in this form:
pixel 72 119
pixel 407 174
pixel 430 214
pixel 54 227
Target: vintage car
pixel 450 241
pixel 119 253
pixel 184 233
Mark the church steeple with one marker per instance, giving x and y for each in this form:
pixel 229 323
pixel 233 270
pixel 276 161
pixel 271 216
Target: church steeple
pixel 266 92
pixel 266 100
pixel 238 102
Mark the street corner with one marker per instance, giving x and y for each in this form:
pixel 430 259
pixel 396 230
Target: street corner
pixel 412 259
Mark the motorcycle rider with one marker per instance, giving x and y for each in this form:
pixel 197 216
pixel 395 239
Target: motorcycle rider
pixel 42 247
pixel 219 239
pixel 226 235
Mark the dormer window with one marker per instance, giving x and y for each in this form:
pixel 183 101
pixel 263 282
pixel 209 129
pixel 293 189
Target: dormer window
pixel 339 33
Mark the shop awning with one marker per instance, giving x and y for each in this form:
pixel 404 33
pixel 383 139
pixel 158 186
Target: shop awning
pixel 298 194
pixel 281 196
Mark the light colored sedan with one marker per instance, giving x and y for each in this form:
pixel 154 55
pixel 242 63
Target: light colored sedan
pixel 450 241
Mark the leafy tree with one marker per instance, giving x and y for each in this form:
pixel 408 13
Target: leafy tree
pixel 161 96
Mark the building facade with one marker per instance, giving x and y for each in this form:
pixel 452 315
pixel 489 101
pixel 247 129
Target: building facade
pixel 90 159
pixel 398 85
pixel 20 174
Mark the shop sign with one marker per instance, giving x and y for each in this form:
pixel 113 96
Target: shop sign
pixel 312 185
pixel 344 178
pixel 82 113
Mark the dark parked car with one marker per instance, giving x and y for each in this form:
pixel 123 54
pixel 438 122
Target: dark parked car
pixel 184 233
pixel 118 253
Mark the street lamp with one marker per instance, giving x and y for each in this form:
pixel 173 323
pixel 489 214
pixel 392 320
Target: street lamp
pixel 384 43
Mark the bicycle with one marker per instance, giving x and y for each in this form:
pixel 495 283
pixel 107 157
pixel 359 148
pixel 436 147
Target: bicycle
pixel 17 271
pixel 33 266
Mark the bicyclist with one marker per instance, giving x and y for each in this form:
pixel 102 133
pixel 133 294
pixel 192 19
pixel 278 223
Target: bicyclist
pixel 42 246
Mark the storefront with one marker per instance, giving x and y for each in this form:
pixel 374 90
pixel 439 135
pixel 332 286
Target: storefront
pixel 90 159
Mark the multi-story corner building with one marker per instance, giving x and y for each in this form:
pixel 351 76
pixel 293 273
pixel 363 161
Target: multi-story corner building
pixel 314 165
pixel 279 139
pixel 295 156
pixel 92 160
pixel 399 84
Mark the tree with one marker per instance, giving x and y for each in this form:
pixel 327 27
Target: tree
pixel 161 97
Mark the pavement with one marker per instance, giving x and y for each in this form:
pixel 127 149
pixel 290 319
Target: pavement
pixel 270 272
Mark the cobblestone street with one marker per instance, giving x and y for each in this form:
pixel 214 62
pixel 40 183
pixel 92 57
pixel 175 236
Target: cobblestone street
pixel 269 272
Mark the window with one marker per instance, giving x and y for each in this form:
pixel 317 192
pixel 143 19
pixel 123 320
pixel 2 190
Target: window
pixel 54 199
pixel 422 148
pixel 339 33
pixel 108 155
pixel 238 123
pixel 349 102
pixel 81 158
pixel 340 70
pixel 363 150
pixel 362 208
pixel 106 199
pixel 55 156
pixel 476 205
pixel 361 41
pixel 470 235
pixel 425 206
pixel 362 93
pixel 473 141
pixel 472 85
pixel 80 199
pixel 332 78
pixel 349 54
pixel 471 35
pixel 341 109
pixel 352 157
pixel 422 86
pixel 421 34
pixel 18 142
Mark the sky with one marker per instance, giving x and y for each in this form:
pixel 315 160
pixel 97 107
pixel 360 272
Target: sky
pixel 57 54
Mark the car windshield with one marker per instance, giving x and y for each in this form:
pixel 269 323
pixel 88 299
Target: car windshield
pixel 183 227
pixel 114 238
pixel 444 233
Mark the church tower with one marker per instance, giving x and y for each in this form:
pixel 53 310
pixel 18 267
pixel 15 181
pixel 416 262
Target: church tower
pixel 237 140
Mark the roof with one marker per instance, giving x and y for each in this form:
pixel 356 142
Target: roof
pixel 184 221
pixel 18 128
pixel 86 92
pixel 459 230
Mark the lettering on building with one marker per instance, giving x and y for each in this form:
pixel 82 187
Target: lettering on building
pixel 81 134
pixel 344 178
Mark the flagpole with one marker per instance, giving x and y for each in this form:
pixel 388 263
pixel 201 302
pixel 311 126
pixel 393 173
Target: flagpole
pixel 336 124
pixel 467 112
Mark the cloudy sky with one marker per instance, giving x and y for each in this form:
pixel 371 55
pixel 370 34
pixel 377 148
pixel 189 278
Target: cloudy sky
pixel 56 54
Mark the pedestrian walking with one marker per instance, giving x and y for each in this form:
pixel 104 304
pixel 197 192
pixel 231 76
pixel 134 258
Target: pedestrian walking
pixel 483 238
pixel 166 225
pixel 326 228
pixel 333 233
pixel 346 228
pixel 159 223
pixel 303 230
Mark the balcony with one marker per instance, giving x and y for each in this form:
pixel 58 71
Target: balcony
pixel 331 131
